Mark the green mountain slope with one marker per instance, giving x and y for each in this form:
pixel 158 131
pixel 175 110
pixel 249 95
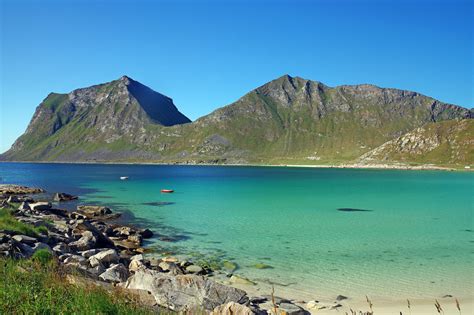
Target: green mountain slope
pixel 447 143
pixel 288 120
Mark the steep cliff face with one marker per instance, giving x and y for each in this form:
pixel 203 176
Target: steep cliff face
pixel 287 120
pixel 443 143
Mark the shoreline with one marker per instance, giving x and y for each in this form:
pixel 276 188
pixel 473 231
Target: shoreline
pixel 422 167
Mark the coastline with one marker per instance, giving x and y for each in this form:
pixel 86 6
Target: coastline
pixel 404 167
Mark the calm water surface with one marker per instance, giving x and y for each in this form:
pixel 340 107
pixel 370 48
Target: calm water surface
pixel 417 240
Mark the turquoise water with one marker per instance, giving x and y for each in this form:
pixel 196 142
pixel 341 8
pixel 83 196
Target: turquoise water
pixel 416 241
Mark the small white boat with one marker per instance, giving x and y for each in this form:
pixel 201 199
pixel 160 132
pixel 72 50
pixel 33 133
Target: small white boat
pixel 123 177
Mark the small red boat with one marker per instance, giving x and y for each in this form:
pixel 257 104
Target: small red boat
pixel 167 191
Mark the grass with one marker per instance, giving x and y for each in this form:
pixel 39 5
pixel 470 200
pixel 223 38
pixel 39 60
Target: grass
pixel 39 286
pixel 9 222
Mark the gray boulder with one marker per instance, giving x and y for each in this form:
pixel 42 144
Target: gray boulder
pixel 185 292
pixel 87 241
pixel 40 206
pixel 116 273
pixel 24 206
pixel 232 308
pixel 105 257
pixel 25 239
pixel 64 197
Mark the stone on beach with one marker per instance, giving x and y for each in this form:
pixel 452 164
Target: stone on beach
pixel 116 273
pixel 194 269
pixel 87 241
pixel 25 239
pixel 106 256
pixel 235 279
pixel 93 211
pixel 232 308
pixel 185 292
pixel 40 206
pixel 64 197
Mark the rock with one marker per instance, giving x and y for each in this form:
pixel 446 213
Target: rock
pixel 97 270
pixel 64 197
pixel 25 239
pixel 235 279
pixel 9 189
pixel 106 256
pixel 74 260
pixel 90 252
pixel 341 298
pixel 194 269
pixel 277 299
pixel 232 308
pixel 86 242
pixel 102 240
pixel 262 266
pixel 229 266
pixel 94 262
pixel 93 211
pixel 116 273
pixel 170 259
pixel 125 244
pixel 24 206
pixel 146 233
pixel 313 306
pixel 137 239
pixel 258 300
pixel 40 206
pixel 136 265
pixel 13 199
pixel 137 257
pixel 289 309
pixel 165 266
pixel 124 231
pixel 61 248
pixel 185 292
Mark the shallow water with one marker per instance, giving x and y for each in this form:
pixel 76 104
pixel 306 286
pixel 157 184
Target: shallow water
pixel 310 225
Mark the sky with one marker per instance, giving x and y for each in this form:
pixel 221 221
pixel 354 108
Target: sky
pixel 207 54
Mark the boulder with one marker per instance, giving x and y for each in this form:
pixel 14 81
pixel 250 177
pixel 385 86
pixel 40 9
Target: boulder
pixel 74 260
pixel 235 279
pixel 194 269
pixel 102 241
pixel 13 199
pixel 61 248
pixel 232 308
pixel 137 239
pixel 136 265
pixel 40 206
pixel 25 239
pixel 91 252
pixel 116 273
pixel 93 211
pixel 288 309
pixel 24 206
pixel 106 256
pixel 86 242
pixel 146 233
pixel 64 197
pixel 185 292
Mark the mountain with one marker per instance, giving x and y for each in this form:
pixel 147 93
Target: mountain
pixel 115 114
pixel 288 120
pixel 448 142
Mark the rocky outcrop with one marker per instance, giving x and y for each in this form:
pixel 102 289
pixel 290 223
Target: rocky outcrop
pixel 185 292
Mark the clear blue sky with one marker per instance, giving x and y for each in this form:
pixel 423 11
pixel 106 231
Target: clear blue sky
pixel 206 54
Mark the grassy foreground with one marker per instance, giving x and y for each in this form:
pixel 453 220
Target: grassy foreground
pixel 40 285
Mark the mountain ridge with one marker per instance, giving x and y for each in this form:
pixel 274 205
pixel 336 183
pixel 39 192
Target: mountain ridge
pixel 289 119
